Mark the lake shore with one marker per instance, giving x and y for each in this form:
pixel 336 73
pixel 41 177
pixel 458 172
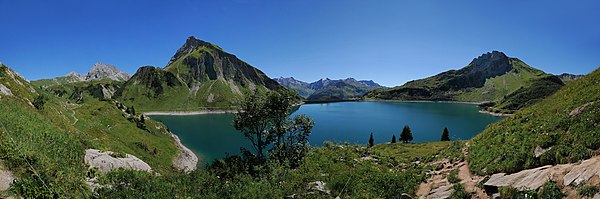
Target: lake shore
pixel 495 114
pixel 417 101
pixel 190 112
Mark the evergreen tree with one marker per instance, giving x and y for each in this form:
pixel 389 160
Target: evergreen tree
pixel 393 138
pixel 406 136
pixel 371 141
pixel 445 135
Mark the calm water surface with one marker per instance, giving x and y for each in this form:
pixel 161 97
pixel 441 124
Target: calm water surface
pixel 212 136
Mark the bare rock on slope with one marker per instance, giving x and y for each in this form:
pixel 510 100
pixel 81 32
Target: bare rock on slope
pixel 186 160
pixel 532 179
pixel 105 162
pixel 6 178
pixel 5 91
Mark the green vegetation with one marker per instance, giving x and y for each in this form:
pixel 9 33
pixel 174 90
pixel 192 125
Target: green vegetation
pixel 453 176
pixel 587 190
pixel 565 123
pixel 387 174
pixel 534 91
pixel 371 140
pixel 406 135
pixel 195 81
pixel 44 147
pixel 393 139
pixel 459 192
pixel 492 77
pixel 550 190
pixel 445 135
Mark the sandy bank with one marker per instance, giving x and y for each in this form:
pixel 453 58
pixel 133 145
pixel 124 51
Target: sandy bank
pixel 495 114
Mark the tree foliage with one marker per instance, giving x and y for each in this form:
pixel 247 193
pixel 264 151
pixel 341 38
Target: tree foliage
pixel 406 135
pixel 264 120
pixel 371 140
pixel 445 135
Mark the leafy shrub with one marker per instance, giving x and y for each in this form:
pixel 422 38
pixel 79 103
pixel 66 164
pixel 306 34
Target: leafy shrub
pixel 587 190
pixel 453 176
pixel 459 192
pixel 550 190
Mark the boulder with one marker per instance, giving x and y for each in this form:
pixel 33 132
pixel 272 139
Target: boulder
pixel 105 162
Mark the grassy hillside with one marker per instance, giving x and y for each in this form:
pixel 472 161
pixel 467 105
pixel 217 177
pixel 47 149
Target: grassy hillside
pixel 44 144
pixel 534 91
pixel 566 125
pixel 489 77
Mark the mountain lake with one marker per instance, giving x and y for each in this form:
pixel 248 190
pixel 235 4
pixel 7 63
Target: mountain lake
pixel 212 136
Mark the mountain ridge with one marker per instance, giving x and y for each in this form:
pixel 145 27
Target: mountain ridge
pixel 488 77
pixel 328 89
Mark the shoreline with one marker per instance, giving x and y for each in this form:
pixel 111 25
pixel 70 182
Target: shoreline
pixel 205 112
pixel 189 112
pixel 495 114
pixel 420 101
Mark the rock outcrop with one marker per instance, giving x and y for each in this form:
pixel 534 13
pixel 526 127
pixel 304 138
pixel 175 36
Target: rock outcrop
pixel 186 160
pixel 532 179
pixel 103 71
pixel 5 91
pixel 6 178
pixel 105 161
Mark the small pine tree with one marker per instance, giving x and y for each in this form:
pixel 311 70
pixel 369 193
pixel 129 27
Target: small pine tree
pixel 406 136
pixel 371 140
pixel 445 135
pixel 393 138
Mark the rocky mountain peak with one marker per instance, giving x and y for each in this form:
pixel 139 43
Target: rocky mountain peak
pixel 190 44
pixel 490 64
pixel 102 71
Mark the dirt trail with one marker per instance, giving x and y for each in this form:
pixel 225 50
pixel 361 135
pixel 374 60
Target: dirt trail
pixel 438 186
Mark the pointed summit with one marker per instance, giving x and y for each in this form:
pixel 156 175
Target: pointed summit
pixel 190 45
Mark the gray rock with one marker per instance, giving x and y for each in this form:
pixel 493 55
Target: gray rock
pixel 5 91
pixel 539 151
pixel 105 162
pixel 103 71
pixel 186 160
pixel 6 178
pixel 319 186
pixel 441 192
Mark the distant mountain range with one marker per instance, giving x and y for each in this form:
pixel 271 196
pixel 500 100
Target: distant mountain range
pixel 327 89
pixel 98 71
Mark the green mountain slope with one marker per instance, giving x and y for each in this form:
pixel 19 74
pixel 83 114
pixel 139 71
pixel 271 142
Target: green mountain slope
pixel 199 76
pixel 43 145
pixel 564 127
pixel 534 91
pixel 489 77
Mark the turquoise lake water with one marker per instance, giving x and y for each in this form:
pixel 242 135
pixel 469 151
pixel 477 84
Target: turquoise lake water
pixel 212 136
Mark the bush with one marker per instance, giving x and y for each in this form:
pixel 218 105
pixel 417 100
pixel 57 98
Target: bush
pixel 453 176
pixel 587 190
pixel 459 192
pixel 550 190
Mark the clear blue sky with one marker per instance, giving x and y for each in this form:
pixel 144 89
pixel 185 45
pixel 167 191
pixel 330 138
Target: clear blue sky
pixel 390 42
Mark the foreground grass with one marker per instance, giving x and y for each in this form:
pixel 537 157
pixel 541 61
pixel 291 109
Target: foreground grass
pixel 348 171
